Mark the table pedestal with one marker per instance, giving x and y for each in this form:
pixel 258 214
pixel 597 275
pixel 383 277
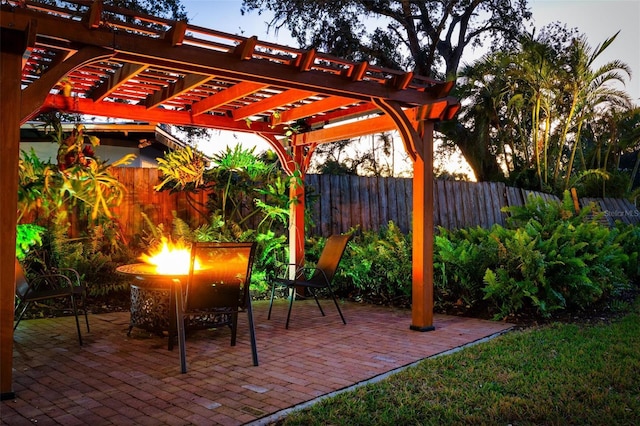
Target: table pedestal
pixel 150 308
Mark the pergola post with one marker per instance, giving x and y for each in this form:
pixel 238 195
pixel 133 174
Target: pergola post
pixel 417 134
pixel 422 275
pixel 294 164
pixel 296 217
pixel 13 44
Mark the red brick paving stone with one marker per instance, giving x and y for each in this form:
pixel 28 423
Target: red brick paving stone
pixel 120 377
pixel 105 412
pixel 143 420
pixel 69 420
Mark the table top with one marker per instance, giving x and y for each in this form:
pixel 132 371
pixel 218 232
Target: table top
pixel 146 270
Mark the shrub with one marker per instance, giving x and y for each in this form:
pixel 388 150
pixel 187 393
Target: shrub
pixel 459 262
pixel 553 257
pixel 377 267
pixel 28 235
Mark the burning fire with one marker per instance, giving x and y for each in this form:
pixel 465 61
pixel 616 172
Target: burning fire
pixel 170 259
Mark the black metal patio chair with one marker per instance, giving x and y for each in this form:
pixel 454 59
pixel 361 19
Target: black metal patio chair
pixel 217 289
pixel 314 278
pixel 65 284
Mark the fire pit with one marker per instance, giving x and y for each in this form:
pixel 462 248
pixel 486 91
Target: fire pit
pixel 151 300
pixel 156 298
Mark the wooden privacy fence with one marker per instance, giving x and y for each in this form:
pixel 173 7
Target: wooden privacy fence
pixel 342 202
pixel 371 202
pixel 141 199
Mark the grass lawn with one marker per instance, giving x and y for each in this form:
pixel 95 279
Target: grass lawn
pixel 556 374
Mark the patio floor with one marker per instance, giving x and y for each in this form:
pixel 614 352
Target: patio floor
pixel 116 379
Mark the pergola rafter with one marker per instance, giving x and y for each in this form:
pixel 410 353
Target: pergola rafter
pixel 103 61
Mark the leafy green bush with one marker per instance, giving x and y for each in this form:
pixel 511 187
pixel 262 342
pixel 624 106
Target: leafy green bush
pixel 628 237
pixel 377 266
pixel 459 262
pixel 95 256
pixel 552 258
pixel 28 235
pixel 548 258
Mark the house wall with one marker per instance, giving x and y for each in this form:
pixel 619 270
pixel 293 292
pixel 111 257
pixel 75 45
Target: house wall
pixel 145 157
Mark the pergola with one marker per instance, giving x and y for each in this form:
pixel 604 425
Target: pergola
pixel 102 61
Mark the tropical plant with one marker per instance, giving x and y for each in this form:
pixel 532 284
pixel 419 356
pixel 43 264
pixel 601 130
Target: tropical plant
pixel 79 184
pixel 182 168
pixel 545 109
pixel 552 257
pixel 78 189
pixel 376 267
pixel 28 235
pixel 245 191
pixel 460 260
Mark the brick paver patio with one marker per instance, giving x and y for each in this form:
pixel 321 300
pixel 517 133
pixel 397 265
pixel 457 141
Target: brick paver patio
pixel 119 380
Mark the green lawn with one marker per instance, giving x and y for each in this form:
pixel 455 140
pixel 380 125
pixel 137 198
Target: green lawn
pixel 553 375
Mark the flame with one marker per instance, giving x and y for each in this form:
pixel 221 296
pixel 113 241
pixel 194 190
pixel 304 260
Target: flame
pixel 170 258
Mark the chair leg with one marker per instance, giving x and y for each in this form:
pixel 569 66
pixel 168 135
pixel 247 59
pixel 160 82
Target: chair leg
pixel 86 317
pixel 273 292
pixel 333 296
pixel 24 309
pixel 234 327
pixel 252 333
pixel 75 313
pixel 292 296
pixel 180 325
pixel 313 293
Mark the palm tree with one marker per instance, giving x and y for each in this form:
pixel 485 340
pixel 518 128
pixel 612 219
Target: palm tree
pixel 589 92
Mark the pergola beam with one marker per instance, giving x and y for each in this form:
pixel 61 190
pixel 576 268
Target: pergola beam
pixel 223 97
pixel 272 102
pixel 317 107
pixel 176 89
pixel 116 80
pixel 140 112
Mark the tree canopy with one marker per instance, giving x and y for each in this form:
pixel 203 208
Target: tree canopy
pixel 428 37
pixel 170 9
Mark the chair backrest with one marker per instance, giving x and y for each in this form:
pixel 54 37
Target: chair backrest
pixel 219 275
pixel 330 257
pixel 22 286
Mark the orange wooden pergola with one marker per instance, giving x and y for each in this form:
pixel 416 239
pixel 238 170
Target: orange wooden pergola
pixel 102 61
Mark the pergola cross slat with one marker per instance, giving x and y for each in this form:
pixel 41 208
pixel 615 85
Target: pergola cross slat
pixel 103 61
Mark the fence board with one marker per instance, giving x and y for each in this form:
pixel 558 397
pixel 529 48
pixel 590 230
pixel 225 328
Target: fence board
pixel 615 209
pixel 382 201
pixel 514 196
pixel 374 200
pixel 392 190
pixel 347 208
pixel 483 215
pixel 495 202
pixel 455 197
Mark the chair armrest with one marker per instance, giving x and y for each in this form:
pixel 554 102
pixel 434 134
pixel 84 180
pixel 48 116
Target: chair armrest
pixel 74 275
pixel 308 271
pixel 52 281
pixel 283 269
